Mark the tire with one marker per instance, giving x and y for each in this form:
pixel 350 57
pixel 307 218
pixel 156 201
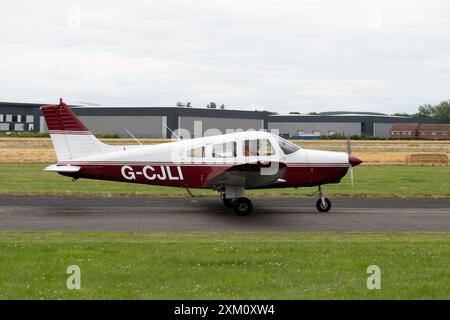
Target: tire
pixel 242 206
pixel 323 208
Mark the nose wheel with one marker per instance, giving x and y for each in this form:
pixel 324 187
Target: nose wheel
pixel 323 204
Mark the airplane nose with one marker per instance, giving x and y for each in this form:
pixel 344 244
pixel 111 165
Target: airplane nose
pixel 354 161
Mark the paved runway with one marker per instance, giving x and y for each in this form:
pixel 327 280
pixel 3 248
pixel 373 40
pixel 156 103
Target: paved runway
pixel 208 214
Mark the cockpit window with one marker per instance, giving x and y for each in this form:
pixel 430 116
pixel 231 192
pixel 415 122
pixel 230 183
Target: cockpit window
pixel 258 147
pixel 196 152
pixel 286 146
pixel 224 150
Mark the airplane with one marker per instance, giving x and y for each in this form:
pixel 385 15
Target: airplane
pixel 229 163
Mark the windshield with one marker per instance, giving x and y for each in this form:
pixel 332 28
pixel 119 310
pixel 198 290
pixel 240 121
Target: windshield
pixel 286 146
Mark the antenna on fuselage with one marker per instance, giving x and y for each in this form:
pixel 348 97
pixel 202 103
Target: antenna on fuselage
pixel 173 133
pixel 132 136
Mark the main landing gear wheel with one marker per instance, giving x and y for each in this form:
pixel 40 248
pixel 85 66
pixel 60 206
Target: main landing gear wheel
pixel 323 206
pixel 227 202
pixel 242 206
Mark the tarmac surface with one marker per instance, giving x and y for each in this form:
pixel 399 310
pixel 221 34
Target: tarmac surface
pixel 141 214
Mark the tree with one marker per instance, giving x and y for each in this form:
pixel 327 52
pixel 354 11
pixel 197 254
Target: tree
pixel 267 112
pixel 222 106
pixel 188 105
pixel 402 114
pixel 211 105
pixel 442 111
pixel 294 112
pixel 439 112
pixel 180 104
pixel 425 111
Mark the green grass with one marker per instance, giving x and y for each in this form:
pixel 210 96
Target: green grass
pixel 371 181
pixel 224 265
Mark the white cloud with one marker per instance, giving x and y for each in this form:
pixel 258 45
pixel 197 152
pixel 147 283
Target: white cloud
pixel 284 55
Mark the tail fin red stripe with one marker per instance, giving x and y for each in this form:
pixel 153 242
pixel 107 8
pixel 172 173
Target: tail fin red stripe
pixel 61 118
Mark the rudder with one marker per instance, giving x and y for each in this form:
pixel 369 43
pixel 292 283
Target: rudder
pixel 70 137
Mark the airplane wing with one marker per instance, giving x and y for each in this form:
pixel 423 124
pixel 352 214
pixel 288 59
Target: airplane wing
pixel 249 175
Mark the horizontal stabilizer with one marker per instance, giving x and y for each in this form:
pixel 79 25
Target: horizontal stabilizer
pixel 68 169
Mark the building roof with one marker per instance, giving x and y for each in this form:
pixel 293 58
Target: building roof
pixel 345 113
pixel 434 127
pixel 406 126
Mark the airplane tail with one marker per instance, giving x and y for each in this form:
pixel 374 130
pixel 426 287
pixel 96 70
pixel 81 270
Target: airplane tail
pixel 70 137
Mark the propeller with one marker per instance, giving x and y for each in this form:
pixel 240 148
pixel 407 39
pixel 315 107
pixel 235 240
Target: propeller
pixel 352 160
pixel 349 152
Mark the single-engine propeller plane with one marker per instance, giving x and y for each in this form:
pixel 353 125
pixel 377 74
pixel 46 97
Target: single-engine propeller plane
pixel 229 163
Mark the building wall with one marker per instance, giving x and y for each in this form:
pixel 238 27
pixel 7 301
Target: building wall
pixel 143 126
pixel 203 124
pixel 434 134
pixel 344 128
pixel 382 129
pixel 16 119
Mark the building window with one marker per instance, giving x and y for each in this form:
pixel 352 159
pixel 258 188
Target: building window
pixel 8 118
pixel 2 117
pixel 300 132
pixel 4 126
pixel 30 127
pixel 433 133
pixel 316 133
pixel 29 118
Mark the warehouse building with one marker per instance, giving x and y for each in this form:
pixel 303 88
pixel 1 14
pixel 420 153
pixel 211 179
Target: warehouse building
pixel 160 122
pixel 152 122
pixel 337 123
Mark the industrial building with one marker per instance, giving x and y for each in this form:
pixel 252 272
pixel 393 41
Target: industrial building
pixel 423 131
pixel 160 122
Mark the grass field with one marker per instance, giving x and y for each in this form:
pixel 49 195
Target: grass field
pixel 224 265
pixel 372 152
pixel 373 181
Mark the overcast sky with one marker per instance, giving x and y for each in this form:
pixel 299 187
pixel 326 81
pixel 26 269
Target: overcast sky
pixel 282 55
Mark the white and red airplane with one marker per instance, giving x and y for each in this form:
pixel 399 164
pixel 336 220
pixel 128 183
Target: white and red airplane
pixel 228 163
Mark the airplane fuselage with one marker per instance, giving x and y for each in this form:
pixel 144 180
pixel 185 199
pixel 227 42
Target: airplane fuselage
pixel 161 165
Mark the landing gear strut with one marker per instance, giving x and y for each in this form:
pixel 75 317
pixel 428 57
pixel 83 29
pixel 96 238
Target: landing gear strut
pixel 227 202
pixel 323 204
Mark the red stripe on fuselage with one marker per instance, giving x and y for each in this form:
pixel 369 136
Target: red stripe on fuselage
pixel 196 176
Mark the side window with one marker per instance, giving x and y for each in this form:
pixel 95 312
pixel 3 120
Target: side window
pixel 224 150
pixel 258 147
pixel 196 152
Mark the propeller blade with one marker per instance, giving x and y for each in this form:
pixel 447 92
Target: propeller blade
pixel 351 174
pixel 350 166
pixel 349 146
